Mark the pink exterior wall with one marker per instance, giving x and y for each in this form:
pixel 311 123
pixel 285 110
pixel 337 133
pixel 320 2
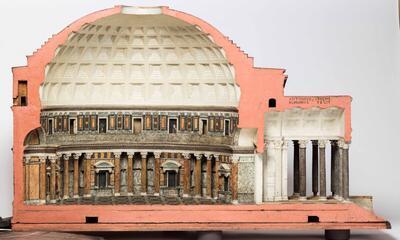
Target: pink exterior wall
pixel 257 86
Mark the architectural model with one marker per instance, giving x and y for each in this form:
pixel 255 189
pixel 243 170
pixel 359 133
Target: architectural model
pixel 149 119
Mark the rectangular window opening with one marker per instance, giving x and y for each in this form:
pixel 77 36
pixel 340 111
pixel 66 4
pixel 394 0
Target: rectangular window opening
pixel 313 219
pixel 102 125
pixel 172 125
pixel 92 220
pixel 137 125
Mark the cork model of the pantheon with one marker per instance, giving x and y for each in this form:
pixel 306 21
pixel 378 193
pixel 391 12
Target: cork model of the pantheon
pixel 149 119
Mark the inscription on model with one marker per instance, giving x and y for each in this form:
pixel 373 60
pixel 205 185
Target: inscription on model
pixel 309 100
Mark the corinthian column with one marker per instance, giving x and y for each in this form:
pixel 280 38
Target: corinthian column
pixel 157 156
pixel 130 173
pixel 53 179
pixel 76 175
pixel 208 180
pixel 66 175
pixel 144 173
pixel 87 180
pixel 346 171
pixel 186 179
pixel 302 169
pixel 322 170
pixel 234 180
pixel 197 176
pixel 42 180
pixel 117 173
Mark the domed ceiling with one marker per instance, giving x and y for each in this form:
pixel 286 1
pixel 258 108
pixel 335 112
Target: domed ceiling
pixel 129 60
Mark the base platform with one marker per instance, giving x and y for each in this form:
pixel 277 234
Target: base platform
pixel 274 216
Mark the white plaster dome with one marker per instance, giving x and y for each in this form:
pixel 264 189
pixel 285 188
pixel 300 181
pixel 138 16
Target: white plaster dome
pixel 129 60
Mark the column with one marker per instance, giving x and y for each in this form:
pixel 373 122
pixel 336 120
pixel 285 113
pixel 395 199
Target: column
pixel 157 156
pixel 322 170
pixel 284 170
pixel 234 179
pixel 296 188
pixel 42 180
pixel 315 167
pixel 216 177
pixel 130 173
pixel 53 179
pixel 87 180
pixel 25 176
pixel 302 169
pixel 117 173
pixel 144 173
pixel 76 175
pixel 186 179
pixel 66 175
pixel 339 170
pixel 346 171
pixel 208 173
pixel 197 176
pixel 333 165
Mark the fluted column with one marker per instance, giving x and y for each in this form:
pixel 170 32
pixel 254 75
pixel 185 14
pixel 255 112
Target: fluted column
pixel 117 173
pixel 197 176
pixel 322 170
pixel 315 167
pixel 130 173
pixel 208 174
pixel 296 185
pixel 346 171
pixel 302 169
pixel 66 175
pixel 42 180
pixel 53 179
pixel 87 180
pixel 234 179
pixel 76 175
pixel 216 176
pixel 186 179
pixel 144 173
pixel 157 156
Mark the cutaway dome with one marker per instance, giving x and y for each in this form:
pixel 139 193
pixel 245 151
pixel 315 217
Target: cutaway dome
pixel 129 60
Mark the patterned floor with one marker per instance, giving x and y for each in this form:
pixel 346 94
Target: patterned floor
pixel 140 200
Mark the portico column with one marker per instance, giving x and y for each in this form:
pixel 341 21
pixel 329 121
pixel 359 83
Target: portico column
pixel 333 166
pixel 296 186
pixel 66 175
pixel 130 173
pixel 216 176
pixel 87 177
pixel 157 156
pixel 186 179
pixel 197 175
pixel 76 175
pixel 234 179
pixel 42 180
pixel 144 173
pixel 322 170
pixel 339 169
pixel 53 179
pixel 302 169
pixel 315 167
pixel 208 180
pixel 117 173
pixel 346 171
pixel 284 171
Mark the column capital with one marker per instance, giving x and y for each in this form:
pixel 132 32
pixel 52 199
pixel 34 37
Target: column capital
pixel 346 145
pixel 186 155
pixel 235 159
pixel 42 159
pixel 197 155
pixel 285 144
pixel 303 143
pixel 143 154
pixel 27 159
pixel 341 143
pixel 75 156
pixel 117 154
pixel 66 156
pixel 130 154
pixel 88 155
pixel 322 143
pixel 157 154
pixel 210 156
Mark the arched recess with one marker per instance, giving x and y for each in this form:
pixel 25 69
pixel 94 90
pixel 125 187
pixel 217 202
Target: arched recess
pixel 35 137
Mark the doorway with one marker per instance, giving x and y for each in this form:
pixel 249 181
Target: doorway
pixel 102 125
pixel 172 125
pixel 72 126
pixel 204 127
pixel 137 125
